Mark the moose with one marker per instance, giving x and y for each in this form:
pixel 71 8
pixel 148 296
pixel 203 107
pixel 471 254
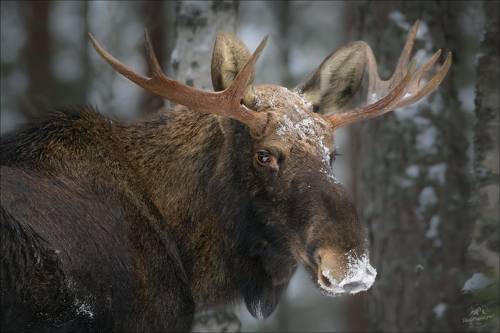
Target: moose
pixel 131 227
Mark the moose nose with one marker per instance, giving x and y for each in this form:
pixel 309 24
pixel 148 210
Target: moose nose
pixel 354 287
pixel 344 273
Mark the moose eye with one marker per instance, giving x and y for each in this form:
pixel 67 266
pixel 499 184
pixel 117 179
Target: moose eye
pixel 264 157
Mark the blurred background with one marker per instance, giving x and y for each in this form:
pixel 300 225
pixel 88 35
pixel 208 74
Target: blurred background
pixel 425 179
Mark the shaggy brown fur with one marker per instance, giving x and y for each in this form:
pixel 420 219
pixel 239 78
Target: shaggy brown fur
pixel 127 227
pixel 114 227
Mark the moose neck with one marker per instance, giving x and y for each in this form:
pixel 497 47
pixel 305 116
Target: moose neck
pixel 188 166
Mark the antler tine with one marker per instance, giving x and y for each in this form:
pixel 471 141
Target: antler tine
pixel 431 85
pixel 378 87
pixel 378 108
pixel 414 84
pixel 407 81
pixel 428 65
pixel 404 58
pixel 224 103
pixel 116 64
pixel 156 70
pixel 240 83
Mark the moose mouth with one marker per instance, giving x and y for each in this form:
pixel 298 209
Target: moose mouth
pixel 359 276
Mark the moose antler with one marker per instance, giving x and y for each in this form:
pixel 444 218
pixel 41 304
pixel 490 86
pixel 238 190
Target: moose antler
pixel 402 89
pixel 226 103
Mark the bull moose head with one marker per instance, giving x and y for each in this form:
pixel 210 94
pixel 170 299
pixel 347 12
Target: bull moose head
pixel 285 167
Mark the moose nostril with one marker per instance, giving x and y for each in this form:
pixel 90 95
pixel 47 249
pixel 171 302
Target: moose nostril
pixel 354 286
pixel 325 280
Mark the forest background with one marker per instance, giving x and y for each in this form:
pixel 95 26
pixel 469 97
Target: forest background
pixel 425 179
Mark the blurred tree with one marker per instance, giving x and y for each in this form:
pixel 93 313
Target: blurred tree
pixel 197 23
pixel 484 249
pixel 159 21
pixel 283 19
pixel 86 78
pixel 37 56
pixel 120 27
pixel 54 56
pixel 69 54
pixel 412 176
pixel 13 78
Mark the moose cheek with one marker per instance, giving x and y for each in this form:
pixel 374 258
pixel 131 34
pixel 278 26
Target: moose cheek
pixel 271 169
pixel 266 175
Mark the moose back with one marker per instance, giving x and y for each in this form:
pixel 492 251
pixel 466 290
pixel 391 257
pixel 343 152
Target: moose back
pixel 114 227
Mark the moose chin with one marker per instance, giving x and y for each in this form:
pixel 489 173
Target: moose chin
pixel 108 226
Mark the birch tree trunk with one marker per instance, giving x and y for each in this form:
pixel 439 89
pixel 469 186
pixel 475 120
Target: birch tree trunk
pixel 412 176
pixel 197 24
pixel 484 249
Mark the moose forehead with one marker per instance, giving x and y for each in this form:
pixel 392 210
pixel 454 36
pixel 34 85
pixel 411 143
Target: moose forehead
pixel 294 124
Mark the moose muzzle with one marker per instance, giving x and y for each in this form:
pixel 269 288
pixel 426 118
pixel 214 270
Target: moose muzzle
pixel 344 273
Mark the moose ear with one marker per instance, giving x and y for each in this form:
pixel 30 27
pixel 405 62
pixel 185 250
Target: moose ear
pixel 337 79
pixel 228 58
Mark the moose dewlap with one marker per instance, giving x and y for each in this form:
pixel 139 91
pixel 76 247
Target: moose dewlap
pixel 128 227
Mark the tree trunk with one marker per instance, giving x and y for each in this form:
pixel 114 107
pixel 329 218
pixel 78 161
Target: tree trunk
pixel 86 79
pixel 37 54
pixel 413 184
pixel 197 24
pixel 159 21
pixel 484 250
pixel 282 18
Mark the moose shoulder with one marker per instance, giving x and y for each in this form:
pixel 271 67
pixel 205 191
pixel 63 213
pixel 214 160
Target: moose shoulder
pixel 107 226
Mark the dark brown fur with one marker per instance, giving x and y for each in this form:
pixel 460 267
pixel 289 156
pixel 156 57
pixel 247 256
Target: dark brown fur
pixel 114 227
pixel 66 183
pixel 138 223
pixel 107 226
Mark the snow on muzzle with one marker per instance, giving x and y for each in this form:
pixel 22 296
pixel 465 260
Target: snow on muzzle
pixel 345 273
